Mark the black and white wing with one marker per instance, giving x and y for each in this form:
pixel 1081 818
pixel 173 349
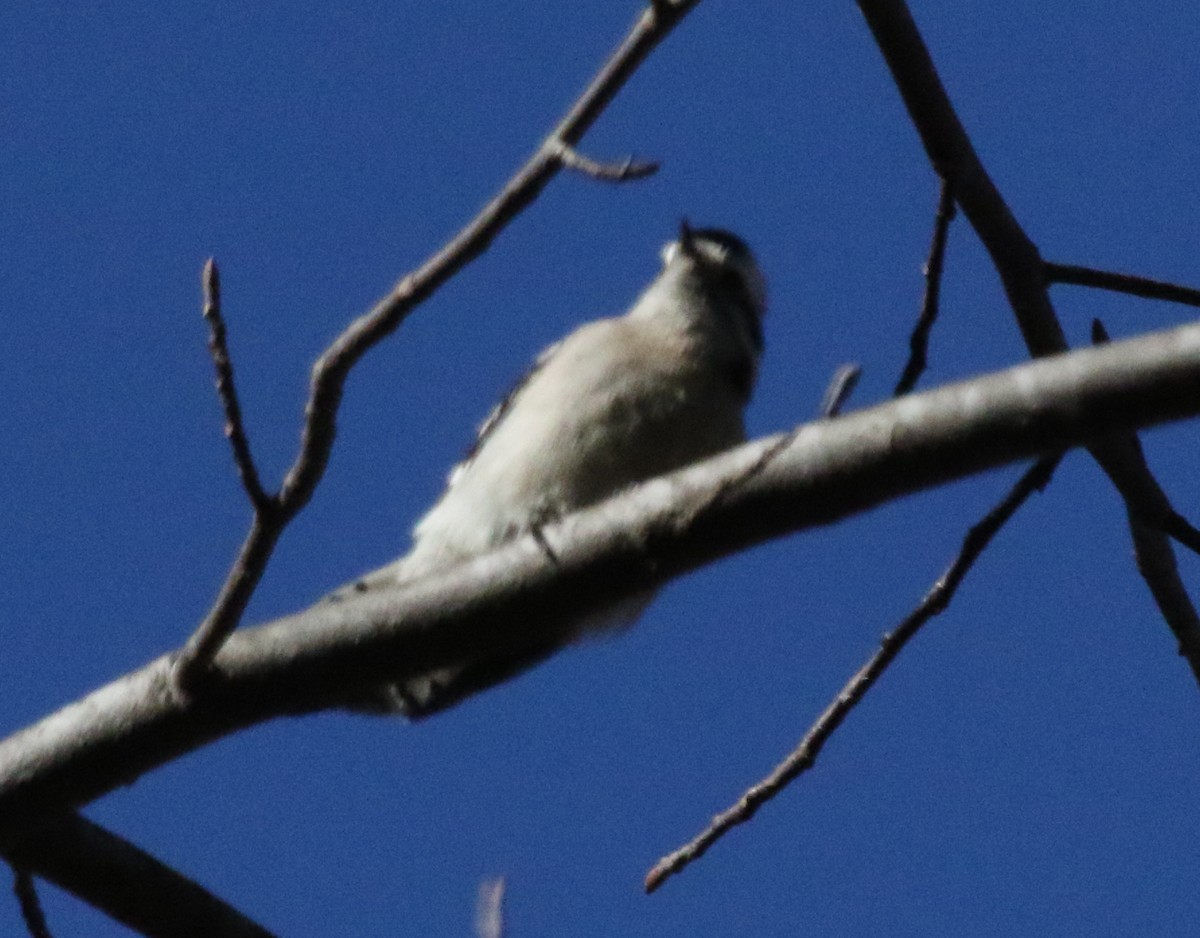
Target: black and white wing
pixel 497 414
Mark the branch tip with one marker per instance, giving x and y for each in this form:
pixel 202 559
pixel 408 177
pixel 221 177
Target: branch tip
pixel 489 911
pixel 211 278
pixel 918 342
pixel 218 350
pixel 624 171
pixel 841 386
pixel 804 756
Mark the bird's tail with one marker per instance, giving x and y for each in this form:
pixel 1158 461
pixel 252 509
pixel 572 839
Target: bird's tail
pixel 424 695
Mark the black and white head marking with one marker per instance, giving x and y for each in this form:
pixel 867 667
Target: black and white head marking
pixel 728 261
pixel 727 268
pixel 722 257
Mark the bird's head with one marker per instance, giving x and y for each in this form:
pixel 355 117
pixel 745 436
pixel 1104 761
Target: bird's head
pixel 727 274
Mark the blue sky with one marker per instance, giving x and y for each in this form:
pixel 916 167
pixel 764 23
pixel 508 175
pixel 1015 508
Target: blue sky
pixel 1027 767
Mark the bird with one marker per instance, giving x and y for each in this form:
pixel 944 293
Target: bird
pixel 616 402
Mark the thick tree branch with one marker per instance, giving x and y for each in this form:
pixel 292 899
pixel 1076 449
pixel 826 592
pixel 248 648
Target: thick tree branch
pixel 1023 274
pixel 626 546
pixel 124 882
pixel 804 756
pixel 335 363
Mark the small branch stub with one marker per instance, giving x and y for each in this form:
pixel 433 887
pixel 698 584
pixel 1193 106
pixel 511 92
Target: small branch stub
pixel 489 911
pixel 627 170
pixel 841 386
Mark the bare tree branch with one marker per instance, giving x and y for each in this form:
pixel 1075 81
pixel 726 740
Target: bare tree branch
pixel 218 349
pixel 489 913
pixel 124 882
pixel 627 169
pixel 813 475
pixel 1154 555
pixel 1023 274
pixel 918 342
pixel 25 890
pixel 333 366
pixel 1121 283
pixel 804 756
pixel 660 7
pixel 626 546
pixel 1180 529
pixel 1157 565
pixel 1174 524
pixel 841 386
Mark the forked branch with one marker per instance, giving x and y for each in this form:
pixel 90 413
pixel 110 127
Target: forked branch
pixel 1023 275
pixel 335 363
pixel 1154 555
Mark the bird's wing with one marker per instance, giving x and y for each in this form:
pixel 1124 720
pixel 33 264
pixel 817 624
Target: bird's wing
pixel 394 572
pixel 497 414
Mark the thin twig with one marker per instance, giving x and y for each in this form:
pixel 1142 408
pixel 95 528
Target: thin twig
pixel 1023 275
pixel 627 169
pixel 1121 283
pixel 218 349
pixel 1171 522
pixel 31 906
pixel 838 391
pixel 804 756
pixel 918 342
pixel 335 363
pixel 841 386
pixel 1155 560
pixel 489 912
